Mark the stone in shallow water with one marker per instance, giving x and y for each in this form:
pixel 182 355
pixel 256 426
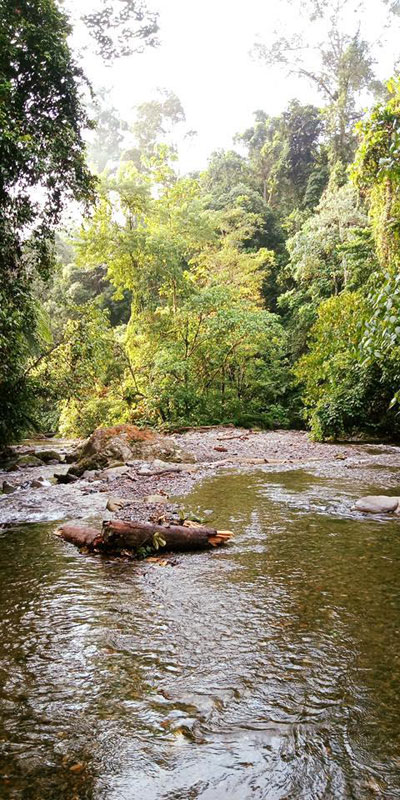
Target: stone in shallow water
pixel 50 456
pixel 377 504
pixel 29 461
pixel 8 488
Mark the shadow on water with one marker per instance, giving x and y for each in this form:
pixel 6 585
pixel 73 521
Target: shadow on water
pixel 268 670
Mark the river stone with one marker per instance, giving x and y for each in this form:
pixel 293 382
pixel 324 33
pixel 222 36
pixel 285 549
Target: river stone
pixel 377 504
pixel 155 499
pixel 112 473
pixel 68 477
pixel 91 475
pixel 115 504
pixel 29 461
pixel 8 488
pixel 39 483
pixel 50 456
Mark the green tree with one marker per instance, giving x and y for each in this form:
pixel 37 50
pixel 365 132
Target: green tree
pixel 105 144
pixel 42 155
pixel 377 173
pixel 336 60
pixel 331 252
pixel 230 187
pixel 155 122
pixel 215 358
pixel 342 393
pixel 197 304
pixel 81 379
pixel 285 156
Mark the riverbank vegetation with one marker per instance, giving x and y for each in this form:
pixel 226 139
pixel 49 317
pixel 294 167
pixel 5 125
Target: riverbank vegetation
pixel 263 291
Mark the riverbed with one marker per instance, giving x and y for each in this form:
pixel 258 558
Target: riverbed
pixel 267 670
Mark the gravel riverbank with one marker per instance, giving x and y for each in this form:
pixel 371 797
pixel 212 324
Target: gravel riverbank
pixel 143 493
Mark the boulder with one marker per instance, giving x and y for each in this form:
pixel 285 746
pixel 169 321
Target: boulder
pixel 123 443
pixel 377 504
pixel 111 473
pixel 50 456
pixel 91 475
pixel 39 483
pixel 8 488
pixel 12 467
pixel 158 467
pixel 29 460
pixel 65 478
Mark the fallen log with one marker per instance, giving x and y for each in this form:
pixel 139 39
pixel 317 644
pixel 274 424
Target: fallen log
pixel 118 536
pixel 80 535
pixel 137 535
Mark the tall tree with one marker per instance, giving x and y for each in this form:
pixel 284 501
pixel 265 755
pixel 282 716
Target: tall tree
pixel 336 60
pixel 153 127
pixel 42 156
pixel 284 154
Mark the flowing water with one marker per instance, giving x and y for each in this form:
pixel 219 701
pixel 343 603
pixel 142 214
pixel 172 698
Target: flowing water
pixel 269 669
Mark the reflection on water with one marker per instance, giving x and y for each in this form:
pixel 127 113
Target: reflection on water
pixel 268 670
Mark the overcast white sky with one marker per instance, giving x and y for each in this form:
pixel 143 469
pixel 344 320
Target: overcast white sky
pixel 205 59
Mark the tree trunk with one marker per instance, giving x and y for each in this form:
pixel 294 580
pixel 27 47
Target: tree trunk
pixel 80 535
pixel 118 535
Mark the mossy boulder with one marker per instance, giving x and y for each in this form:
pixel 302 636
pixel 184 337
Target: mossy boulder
pixel 123 443
pixel 29 460
pixel 50 456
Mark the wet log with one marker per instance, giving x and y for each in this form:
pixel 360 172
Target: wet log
pixel 117 536
pixel 80 535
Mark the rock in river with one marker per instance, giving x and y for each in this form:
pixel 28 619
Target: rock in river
pixel 29 460
pixel 377 504
pixel 50 456
pixel 8 488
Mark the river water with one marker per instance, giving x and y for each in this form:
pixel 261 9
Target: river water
pixel 269 669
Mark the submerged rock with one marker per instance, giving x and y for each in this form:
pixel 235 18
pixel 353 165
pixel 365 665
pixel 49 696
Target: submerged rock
pixel 377 504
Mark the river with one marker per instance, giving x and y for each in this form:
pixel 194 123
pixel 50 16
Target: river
pixel 268 670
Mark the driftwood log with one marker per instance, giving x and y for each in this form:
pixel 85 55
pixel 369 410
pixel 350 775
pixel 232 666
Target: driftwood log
pixel 117 536
pixel 80 535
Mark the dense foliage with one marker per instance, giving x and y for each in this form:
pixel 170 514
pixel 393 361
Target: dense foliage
pixel 42 165
pixel 43 168
pixel 264 291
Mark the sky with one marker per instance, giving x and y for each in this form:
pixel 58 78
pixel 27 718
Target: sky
pixel 205 59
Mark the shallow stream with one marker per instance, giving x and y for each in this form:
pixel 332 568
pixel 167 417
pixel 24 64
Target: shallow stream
pixel 267 670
